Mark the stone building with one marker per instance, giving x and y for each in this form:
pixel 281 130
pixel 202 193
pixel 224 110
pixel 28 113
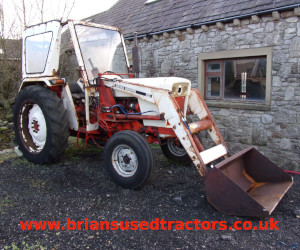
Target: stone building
pixel 244 56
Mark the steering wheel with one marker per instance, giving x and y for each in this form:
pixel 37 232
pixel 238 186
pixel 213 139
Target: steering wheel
pixel 111 72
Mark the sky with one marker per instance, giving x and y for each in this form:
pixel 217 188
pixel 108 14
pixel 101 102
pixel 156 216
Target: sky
pixel 53 9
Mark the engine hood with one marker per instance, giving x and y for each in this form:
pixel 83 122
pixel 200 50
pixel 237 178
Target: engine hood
pixel 179 86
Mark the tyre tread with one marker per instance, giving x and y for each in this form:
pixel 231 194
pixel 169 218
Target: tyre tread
pixel 148 159
pixel 56 116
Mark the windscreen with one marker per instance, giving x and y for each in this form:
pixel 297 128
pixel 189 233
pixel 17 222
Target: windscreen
pixel 102 50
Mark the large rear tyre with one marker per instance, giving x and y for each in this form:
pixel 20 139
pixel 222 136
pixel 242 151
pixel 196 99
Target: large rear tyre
pixel 40 125
pixel 175 152
pixel 128 159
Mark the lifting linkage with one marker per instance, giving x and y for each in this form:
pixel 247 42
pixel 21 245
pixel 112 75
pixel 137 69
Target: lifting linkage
pixel 186 133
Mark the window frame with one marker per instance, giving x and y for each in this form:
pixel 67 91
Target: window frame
pixel 221 56
pixel 214 74
pixel 27 63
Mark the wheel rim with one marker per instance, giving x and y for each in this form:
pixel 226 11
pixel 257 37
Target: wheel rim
pixel 124 161
pixel 37 126
pixel 176 148
pixel 33 128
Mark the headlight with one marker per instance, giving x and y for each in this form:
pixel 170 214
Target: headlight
pixel 180 89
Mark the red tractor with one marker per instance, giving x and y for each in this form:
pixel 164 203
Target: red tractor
pixel 125 114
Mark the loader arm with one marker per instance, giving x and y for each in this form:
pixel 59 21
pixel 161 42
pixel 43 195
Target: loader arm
pixel 172 113
pixel 245 184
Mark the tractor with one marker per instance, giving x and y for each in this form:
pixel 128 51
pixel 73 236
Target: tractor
pixel 123 114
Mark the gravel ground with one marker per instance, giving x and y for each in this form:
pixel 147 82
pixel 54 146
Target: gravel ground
pixel 78 188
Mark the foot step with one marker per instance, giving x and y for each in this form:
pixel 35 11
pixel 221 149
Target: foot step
pixel 212 154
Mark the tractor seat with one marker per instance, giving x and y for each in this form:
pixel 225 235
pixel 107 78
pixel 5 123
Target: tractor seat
pixel 77 89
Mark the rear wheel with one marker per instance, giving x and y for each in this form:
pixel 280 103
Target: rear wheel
pixel 175 152
pixel 128 159
pixel 40 125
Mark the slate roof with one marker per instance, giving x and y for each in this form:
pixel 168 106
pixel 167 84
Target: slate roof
pixel 136 16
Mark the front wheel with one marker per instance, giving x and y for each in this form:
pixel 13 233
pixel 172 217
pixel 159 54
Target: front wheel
pixel 175 152
pixel 40 125
pixel 128 159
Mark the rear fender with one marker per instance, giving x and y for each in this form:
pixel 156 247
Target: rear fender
pixel 65 95
pixel 43 81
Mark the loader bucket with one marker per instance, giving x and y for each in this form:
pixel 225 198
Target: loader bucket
pixel 246 184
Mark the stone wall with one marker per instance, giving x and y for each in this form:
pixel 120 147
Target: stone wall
pixel 275 133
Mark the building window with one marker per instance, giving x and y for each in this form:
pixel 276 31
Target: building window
pixel 232 78
pixel 236 79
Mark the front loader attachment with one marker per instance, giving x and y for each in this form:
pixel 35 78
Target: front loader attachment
pixel 246 184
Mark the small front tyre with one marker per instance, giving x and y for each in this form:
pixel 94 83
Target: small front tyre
pixel 175 152
pixel 128 159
